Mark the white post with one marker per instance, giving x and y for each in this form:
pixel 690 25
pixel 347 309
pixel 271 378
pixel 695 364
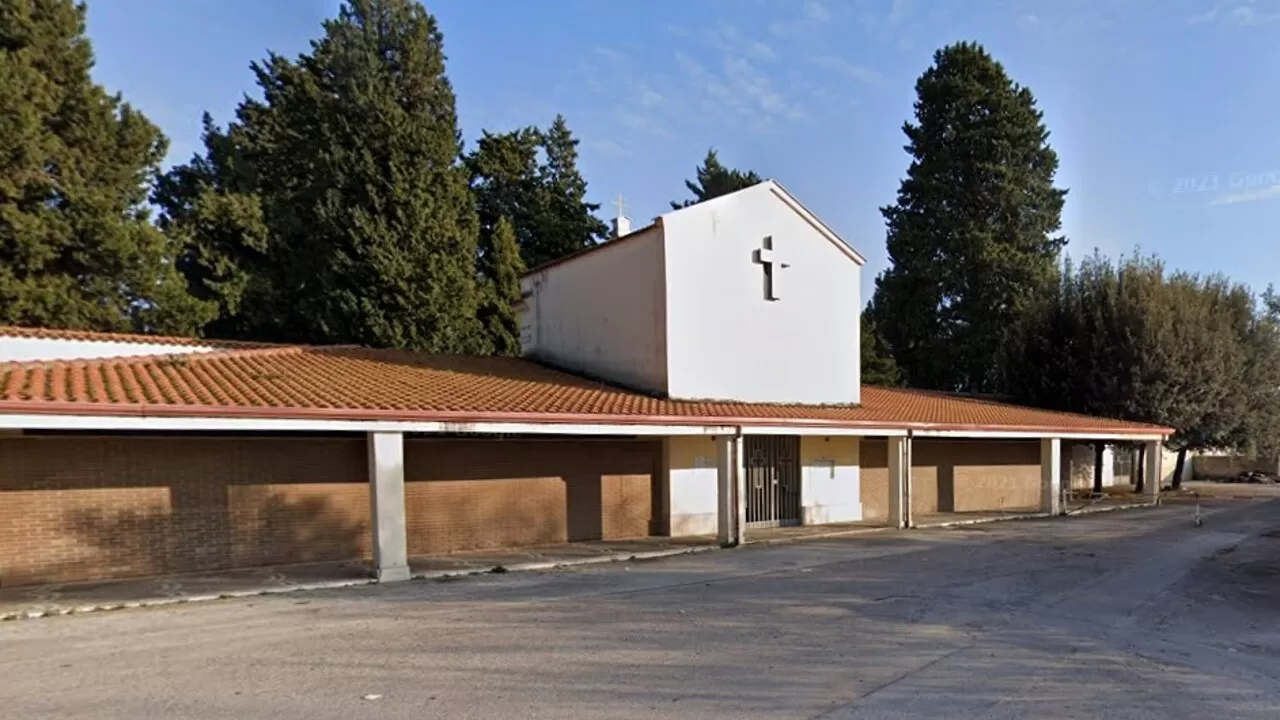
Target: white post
pixel 740 490
pixel 728 491
pixel 1152 462
pixel 908 501
pixel 386 498
pixel 899 481
pixel 1051 475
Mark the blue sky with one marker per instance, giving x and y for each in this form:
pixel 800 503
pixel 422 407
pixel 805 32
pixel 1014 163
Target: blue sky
pixel 1164 114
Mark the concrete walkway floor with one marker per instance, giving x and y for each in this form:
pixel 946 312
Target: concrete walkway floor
pixel 33 601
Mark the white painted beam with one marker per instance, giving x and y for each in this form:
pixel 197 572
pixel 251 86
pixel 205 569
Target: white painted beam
pixel 386 496
pixel 1035 435
pixel 90 423
pixel 820 430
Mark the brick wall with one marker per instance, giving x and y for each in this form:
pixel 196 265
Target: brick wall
pixel 79 508
pixel 956 476
pixel 525 492
pixel 95 508
pixel 874 456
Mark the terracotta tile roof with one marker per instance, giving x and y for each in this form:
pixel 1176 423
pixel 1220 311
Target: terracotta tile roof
pixel 356 383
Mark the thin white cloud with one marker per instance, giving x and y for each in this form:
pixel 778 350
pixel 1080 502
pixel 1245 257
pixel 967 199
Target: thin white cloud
pixel 1248 16
pixel 761 51
pixel 739 88
pixel 610 54
pixel 898 11
pixel 628 103
pixel 816 11
pixel 1205 17
pixel 737 79
pixel 729 40
pixel 640 122
pixel 783 29
pixel 649 97
pixel 1241 13
pixel 813 17
pixel 1028 20
pixel 860 73
pixel 606 148
pixel 722 77
pixel 1248 196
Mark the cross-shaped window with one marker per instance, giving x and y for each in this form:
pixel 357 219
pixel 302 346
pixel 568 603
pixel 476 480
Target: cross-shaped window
pixel 765 257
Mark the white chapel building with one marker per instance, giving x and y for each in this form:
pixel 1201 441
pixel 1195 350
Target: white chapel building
pixel 698 377
pixel 746 297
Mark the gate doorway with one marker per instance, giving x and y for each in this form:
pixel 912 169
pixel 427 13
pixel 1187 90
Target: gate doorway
pixel 772 464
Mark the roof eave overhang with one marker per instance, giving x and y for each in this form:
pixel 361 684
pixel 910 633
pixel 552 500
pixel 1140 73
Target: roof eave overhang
pixel 38 415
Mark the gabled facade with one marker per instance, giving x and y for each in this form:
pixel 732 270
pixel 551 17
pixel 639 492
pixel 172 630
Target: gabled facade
pixel 747 297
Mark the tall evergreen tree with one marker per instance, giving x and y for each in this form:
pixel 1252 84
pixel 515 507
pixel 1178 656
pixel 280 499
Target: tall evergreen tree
pixel 530 176
pixel 570 223
pixel 500 271
pixel 77 249
pixel 353 153
pixel 504 170
pixel 713 179
pixel 878 368
pixel 971 237
pixel 211 209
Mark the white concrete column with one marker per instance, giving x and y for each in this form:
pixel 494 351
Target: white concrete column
pixel 1109 466
pixel 899 482
pixel 1154 451
pixel 386 497
pixel 1051 475
pixel 740 490
pixel 730 510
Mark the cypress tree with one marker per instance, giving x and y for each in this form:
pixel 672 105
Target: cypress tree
pixel 713 179
pixel 77 248
pixel 877 367
pixel 211 210
pixel 568 222
pixel 530 176
pixel 505 180
pixel 356 152
pixel 500 270
pixel 971 237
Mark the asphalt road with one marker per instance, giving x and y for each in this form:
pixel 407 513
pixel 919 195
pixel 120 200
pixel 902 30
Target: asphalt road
pixel 1121 615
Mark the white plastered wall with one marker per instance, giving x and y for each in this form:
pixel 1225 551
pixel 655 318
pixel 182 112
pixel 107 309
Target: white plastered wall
pixel 830 480
pixel 27 349
pixel 691 484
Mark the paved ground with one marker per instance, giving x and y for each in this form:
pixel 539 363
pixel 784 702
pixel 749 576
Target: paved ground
pixel 1119 615
pixel 36 601
pixel 25 601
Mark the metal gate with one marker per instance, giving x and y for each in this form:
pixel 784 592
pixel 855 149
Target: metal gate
pixel 772 464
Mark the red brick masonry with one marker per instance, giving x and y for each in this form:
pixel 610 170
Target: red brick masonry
pixel 74 508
